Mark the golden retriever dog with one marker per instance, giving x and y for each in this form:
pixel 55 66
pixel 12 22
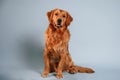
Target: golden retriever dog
pixel 56 54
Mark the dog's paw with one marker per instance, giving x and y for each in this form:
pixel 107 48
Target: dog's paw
pixel 44 75
pixel 59 76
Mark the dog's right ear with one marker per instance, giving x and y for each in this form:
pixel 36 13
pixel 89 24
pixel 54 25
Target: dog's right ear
pixel 50 15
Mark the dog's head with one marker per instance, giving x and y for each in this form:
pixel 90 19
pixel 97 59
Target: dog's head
pixel 59 18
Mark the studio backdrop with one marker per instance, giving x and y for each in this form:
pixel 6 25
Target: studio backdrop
pixel 95 32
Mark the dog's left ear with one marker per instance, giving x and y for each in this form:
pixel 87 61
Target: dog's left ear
pixel 68 20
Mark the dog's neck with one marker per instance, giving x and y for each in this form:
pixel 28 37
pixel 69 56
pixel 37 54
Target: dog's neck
pixel 52 27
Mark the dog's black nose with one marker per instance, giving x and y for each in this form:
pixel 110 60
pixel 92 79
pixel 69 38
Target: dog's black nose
pixel 59 21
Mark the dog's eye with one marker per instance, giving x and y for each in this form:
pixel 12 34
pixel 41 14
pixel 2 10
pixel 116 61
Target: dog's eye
pixel 56 14
pixel 64 16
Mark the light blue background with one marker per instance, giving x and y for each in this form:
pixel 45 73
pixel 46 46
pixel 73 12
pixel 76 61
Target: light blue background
pixel 95 36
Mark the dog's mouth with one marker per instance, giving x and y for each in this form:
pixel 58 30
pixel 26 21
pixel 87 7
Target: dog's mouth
pixel 59 22
pixel 58 25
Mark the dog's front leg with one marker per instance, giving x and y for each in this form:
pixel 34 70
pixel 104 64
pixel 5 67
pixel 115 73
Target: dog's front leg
pixel 47 63
pixel 60 66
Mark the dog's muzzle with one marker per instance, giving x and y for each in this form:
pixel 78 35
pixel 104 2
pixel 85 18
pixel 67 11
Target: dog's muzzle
pixel 59 21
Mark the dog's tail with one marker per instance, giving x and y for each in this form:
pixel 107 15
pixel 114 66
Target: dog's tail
pixel 74 69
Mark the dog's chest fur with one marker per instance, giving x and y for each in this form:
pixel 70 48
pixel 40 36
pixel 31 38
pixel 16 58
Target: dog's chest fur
pixel 57 39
